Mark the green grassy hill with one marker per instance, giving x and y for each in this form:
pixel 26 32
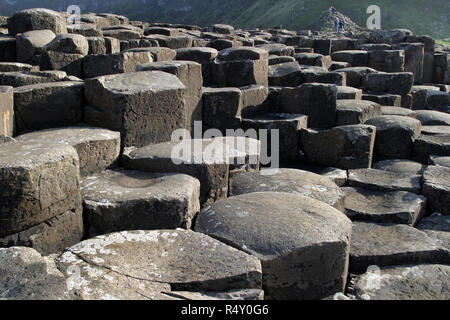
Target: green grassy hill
pixel 421 16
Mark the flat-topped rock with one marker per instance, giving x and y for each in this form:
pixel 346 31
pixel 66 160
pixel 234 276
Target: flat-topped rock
pixel 437 226
pixel 397 111
pixel 380 180
pixel 440 161
pixel 436 187
pixel 69 43
pixel 303 251
pixel 350 111
pixel 357 58
pixel 384 99
pixel 17 66
pixel 38 181
pixel 435 130
pixel 386 207
pixel 395 136
pixel 132 200
pixel 26 275
pixel 429 145
pixel 433 118
pixel 395 83
pixel 208 160
pixel 48 105
pixel 392 244
pixel 289 181
pixel 115 265
pixel 289 126
pixel 345 147
pixel 344 92
pixel 412 282
pixel 400 166
pixel 97 148
pixel 145 107
pixel 355 75
pixel 7 123
pixel 243 53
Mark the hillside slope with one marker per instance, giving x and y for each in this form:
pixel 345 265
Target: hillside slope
pixel 421 16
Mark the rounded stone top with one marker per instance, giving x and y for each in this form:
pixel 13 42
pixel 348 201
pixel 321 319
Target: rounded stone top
pixel 31 154
pixel 290 181
pixel 243 53
pixel 71 135
pixel 389 121
pixel 120 185
pixel 141 81
pixel 268 224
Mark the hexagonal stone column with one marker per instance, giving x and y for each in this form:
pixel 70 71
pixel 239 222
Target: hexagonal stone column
pixel 289 181
pixel 427 146
pixel 302 243
pixel 48 105
pixel 393 244
pixel 97 148
pixel 384 207
pixel 156 264
pixel 132 200
pixel 436 187
pixel 241 66
pixel 145 107
pixel 380 180
pixel 412 282
pixel 395 136
pixel 38 181
pixel 37 19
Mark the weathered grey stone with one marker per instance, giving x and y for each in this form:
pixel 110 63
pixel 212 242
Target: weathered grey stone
pixel 322 46
pixel 223 29
pixel 316 100
pixel 222 108
pixel 190 74
pixel 38 182
pixel 5 139
pixel 132 200
pixel 433 118
pixel 98 149
pixel 395 136
pixel 440 161
pixel 336 175
pixel 401 166
pixel 204 56
pixel 380 180
pixel 122 34
pixel 85 29
pixel 337 65
pixel 316 74
pixel 441 68
pixel 288 74
pixel 7 124
pixel 145 107
pixel 97 45
pixel 289 126
pixel 112 45
pixel 303 251
pixel 435 130
pixel 389 36
pixel 437 226
pixel 392 244
pixel 71 63
pixel 387 60
pixel 244 294
pixel 356 58
pixel 345 147
pixel 240 72
pixel 273 60
pixel 69 43
pixel 351 112
pixel 438 99
pixel 37 19
pixel 147 264
pixel 398 111
pixel 395 83
pixel 20 79
pixel 158 53
pixel 412 282
pixel 99 65
pixel 17 67
pixel 174 43
pixel 32 43
pixel 26 275
pixel 355 75
pixel 383 99
pixel 386 207
pixel 414 58
pixel 254 100
pixel 436 187
pixel 313 59
pixel 50 236
pixel 428 145
pixel 8 51
pixel 344 92
pixel 374 46
pixel 289 181
pixel 160 30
